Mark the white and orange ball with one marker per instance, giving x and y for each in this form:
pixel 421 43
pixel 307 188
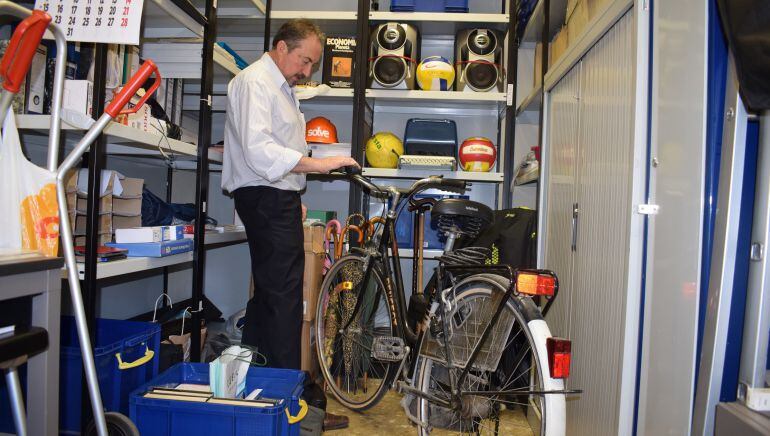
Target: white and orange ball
pixel 477 154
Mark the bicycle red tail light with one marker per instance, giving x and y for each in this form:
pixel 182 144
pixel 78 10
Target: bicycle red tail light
pixel 559 356
pixel 533 283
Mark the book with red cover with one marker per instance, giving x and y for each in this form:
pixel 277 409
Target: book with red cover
pixel 104 254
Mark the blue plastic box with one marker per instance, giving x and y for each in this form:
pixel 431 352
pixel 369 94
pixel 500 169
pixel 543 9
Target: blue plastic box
pixel 158 417
pixel 137 344
pixel 429 5
pixel 405 226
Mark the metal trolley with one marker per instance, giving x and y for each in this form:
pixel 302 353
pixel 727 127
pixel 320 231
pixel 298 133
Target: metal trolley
pixel 13 69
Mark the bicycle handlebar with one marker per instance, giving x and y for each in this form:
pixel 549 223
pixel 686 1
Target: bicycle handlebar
pixel 130 89
pixel 21 49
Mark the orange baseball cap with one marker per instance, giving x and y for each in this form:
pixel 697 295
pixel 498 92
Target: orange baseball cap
pixel 320 130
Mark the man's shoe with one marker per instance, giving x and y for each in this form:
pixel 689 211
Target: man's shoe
pixel 335 422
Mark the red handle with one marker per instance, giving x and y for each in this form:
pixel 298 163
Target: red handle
pixel 21 49
pixel 130 89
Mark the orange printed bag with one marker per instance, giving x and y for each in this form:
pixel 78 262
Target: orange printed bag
pixel 29 214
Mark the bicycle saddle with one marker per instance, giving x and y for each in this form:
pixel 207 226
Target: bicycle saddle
pixel 461 216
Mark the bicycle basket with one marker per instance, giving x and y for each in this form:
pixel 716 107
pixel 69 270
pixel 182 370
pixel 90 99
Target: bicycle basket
pixel 467 322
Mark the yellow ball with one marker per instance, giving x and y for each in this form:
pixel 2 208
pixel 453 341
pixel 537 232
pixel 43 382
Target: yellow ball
pixel 383 150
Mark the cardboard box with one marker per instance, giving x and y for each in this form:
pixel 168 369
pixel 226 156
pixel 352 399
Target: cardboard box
pixel 311 284
pixel 571 4
pixel 596 7
pixel 314 239
pixel 577 21
pixel 131 187
pixel 309 359
pixel 127 206
pixel 558 46
pixel 105 224
pixel 79 202
pixel 339 61
pixel 125 222
pixel 149 234
pixel 323 216
pixel 537 75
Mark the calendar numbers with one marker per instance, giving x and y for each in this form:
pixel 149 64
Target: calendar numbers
pixel 106 21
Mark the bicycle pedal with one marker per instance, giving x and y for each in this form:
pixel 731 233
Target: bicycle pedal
pixel 388 348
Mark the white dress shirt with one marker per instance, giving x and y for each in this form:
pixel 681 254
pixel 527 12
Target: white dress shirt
pixel 264 130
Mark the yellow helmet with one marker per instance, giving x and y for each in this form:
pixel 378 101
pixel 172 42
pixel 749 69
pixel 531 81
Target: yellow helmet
pixel 383 150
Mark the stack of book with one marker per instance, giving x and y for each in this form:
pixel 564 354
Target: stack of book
pixel 104 254
pixel 158 241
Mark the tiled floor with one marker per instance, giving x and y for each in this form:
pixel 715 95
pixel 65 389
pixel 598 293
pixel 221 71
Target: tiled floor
pixel 388 418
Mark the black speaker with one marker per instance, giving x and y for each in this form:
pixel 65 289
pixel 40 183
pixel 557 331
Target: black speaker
pixel 394 52
pixel 478 60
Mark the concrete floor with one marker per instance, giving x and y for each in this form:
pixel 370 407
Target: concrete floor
pixel 388 418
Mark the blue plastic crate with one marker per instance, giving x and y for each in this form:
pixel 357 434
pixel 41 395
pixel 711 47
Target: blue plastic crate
pixel 429 6
pixel 158 417
pixel 138 345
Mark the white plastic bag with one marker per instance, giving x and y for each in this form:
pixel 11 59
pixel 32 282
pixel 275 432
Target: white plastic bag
pixel 227 373
pixel 29 214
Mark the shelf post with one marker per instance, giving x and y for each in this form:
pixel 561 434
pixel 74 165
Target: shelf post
pixel 202 177
pixel 268 12
pixel 360 131
pixel 509 141
pixel 96 163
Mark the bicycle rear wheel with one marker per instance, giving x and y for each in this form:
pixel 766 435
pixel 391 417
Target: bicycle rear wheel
pixel 523 367
pixel 355 378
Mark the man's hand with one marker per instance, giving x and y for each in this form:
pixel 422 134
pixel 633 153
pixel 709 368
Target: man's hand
pixel 304 212
pixel 323 165
pixel 337 162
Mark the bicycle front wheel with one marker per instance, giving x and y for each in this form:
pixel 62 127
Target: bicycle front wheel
pixel 355 378
pixel 522 366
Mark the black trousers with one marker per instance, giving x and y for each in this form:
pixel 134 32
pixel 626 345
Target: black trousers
pixel 273 221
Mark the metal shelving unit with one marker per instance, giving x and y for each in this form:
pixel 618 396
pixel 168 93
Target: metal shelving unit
pixel 123 139
pixel 439 17
pixel 532 103
pixel 388 173
pixel 404 95
pixel 134 265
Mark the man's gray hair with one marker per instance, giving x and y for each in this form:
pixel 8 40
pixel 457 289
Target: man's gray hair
pixel 294 31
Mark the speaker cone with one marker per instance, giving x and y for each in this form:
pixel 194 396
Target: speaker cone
pixel 481 76
pixel 389 71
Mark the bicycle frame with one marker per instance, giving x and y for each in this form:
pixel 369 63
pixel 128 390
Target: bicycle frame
pixel 396 297
pixel 376 256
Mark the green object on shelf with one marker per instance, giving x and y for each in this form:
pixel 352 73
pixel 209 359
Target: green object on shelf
pixel 322 215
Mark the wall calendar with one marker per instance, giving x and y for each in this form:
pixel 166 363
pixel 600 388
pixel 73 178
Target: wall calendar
pixel 105 21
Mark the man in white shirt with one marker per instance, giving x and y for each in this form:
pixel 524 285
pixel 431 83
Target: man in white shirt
pixel 265 161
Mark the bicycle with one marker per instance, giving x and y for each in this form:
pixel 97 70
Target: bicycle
pixel 448 363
